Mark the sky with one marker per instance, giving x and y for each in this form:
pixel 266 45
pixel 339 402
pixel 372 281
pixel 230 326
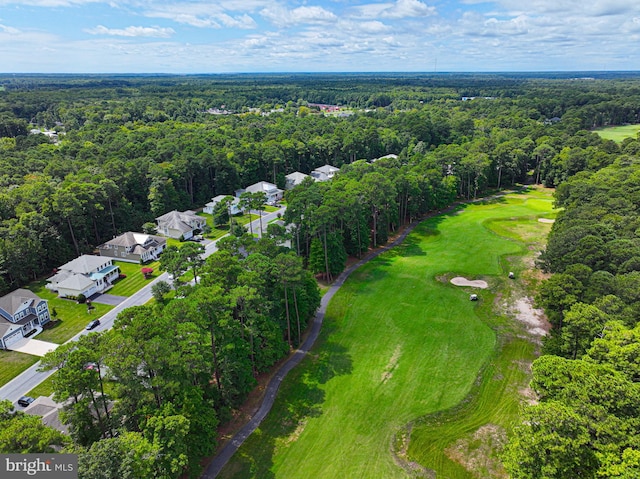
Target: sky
pixel 229 36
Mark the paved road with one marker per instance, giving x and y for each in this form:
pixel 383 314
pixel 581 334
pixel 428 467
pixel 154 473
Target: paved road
pixel 30 378
pixel 232 446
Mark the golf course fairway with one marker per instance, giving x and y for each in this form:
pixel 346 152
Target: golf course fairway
pixel 400 343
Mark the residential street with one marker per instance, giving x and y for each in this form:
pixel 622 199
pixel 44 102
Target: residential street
pixel 30 378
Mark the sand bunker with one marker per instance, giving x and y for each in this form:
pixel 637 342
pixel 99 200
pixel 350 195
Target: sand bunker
pixel 546 220
pixel 477 283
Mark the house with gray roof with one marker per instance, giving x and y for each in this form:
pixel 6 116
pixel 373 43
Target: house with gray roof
pixel 324 173
pixel 234 207
pixel 294 179
pixel 180 223
pixel 271 191
pixel 133 247
pixel 87 275
pixel 21 312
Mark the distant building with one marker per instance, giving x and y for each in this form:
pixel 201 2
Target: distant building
pixel 389 156
pixel 133 247
pixel 235 205
pixel 180 223
pixel 324 173
pixel 294 179
pixel 272 192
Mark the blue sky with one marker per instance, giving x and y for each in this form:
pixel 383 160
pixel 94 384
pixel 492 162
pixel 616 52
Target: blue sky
pixel 170 36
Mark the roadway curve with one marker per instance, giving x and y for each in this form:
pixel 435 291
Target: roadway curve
pixel 271 390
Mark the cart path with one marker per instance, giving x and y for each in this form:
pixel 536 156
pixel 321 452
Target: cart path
pixel 271 390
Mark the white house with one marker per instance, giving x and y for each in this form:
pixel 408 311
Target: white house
pixel 133 247
pixel 85 275
pixel 180 223
pixel 390 156
pixel 294 179
pixel 21 311
pixel 324 173
pixel 235 205
pixel 271 191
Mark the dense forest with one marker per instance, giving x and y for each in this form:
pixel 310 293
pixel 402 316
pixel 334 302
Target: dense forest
pixel 128 149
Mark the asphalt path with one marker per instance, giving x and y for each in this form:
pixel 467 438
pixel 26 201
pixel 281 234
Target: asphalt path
pixel 30 378
pixel 271 390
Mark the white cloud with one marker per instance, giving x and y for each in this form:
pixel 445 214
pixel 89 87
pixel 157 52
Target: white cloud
pixel 283 17
pixel 397 10
pixel 9 30
pixel 132 31
pixel 200 15
pixel 49 3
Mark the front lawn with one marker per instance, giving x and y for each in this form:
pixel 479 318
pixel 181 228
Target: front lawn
pixel 13 363
pixel 135 280
pixel 71 317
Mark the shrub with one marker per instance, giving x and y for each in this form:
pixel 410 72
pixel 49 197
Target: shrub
pixel 81 298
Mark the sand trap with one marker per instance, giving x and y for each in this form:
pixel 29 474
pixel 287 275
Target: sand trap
pixel 546 220
pixel 477 283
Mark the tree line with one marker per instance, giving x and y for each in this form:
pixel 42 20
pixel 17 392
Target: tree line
pixel 128 155
pixel 588 380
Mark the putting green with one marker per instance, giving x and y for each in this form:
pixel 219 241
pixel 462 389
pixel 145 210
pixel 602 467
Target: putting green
pixel 397 344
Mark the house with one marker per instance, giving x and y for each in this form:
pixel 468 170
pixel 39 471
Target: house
pixel 86 275
pixel 294 179
pixel 133 247
pixel 271 191
pixel 235 205
pixel 324 173
pixel 390 156
pixel 21 312
pixel 180 223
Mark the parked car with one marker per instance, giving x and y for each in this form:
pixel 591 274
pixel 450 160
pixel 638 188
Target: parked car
pixel 91 367
pixel 24 401
pixel 92 324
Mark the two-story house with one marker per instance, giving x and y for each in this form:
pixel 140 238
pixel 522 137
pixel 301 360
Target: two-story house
pixel 21 311
pixel 180 223
pixel 133 247
pixel 324 173
pixel 272 193
pixel 84 275
pixel 234 207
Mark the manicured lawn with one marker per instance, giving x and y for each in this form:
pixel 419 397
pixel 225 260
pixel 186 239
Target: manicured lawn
pixel 400 343
pixel 135 280
pixel 71 316
pixel 13 363
pixel 45 388
pixel 618 133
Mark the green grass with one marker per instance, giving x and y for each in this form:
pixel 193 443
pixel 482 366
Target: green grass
pixel 45 388
pixel 618 133
pixel 399 344
pixel 135 280
pixel 13 363
pixel 71 316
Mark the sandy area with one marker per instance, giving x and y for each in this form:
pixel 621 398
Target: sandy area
pixel 532 318
pixel 546 220
pixel 477 283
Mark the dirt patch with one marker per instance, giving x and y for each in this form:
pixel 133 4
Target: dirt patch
pixel 546 220
pixel 400 456
pixel 529 395
pixel 476 283
pixel 533 319
pixel 479 453
pixel 393 363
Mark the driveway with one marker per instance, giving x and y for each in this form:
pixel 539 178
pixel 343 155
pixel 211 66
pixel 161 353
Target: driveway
pixel 33 346
pixel 109 299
